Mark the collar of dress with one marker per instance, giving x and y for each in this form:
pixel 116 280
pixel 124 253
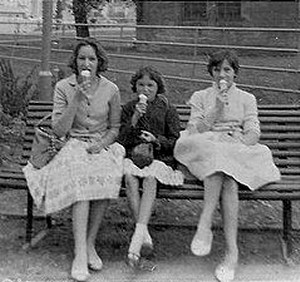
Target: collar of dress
pixel 73 81
pixel 229 91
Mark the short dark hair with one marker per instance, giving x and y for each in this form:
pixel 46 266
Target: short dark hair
pixel 153 74
pixel 99 50
pixel 217 58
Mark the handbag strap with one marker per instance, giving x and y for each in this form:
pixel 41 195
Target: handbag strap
pixel 43 119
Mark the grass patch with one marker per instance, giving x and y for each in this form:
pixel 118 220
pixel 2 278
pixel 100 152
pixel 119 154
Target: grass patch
pixel 179 92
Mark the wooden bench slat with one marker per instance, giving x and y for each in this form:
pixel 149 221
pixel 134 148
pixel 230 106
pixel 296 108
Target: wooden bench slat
pixel 288 107
pixel 280 126
pixel 196 195
pixel 276 136
pixel 278 119
pixel 291 127
pixel 37 115
pixel 285 153
pixel 282 145
pixel 271 137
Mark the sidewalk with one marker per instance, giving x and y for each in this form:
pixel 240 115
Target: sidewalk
pixel 50 260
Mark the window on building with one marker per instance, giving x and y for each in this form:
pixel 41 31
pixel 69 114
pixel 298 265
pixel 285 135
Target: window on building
pixel 229 11
pixel 200 12
pixel 194 12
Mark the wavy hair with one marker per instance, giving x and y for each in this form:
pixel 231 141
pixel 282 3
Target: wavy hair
pixel 100 54
pixel 217 58
pixel 153 75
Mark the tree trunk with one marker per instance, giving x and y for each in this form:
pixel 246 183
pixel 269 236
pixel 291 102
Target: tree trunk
pixel 80 16
pixel 139 12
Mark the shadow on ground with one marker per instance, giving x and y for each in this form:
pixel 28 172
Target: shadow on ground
pixel 172 231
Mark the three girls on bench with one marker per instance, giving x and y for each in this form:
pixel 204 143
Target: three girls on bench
pixel 88 170
pixel 220 146
pixel 147 118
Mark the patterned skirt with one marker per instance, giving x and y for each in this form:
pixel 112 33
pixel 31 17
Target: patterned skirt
pixel 157 169
pixel 74 175
pixel 207 153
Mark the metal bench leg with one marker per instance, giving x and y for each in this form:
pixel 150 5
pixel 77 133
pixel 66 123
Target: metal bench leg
pixel 30 240
pixel 287 229
pixel 49 221
pixel 29 217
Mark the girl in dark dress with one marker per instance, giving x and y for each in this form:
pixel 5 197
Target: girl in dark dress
pixel 152 119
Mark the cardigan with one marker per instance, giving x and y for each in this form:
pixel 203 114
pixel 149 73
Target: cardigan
pixel 161 119
pixel 241 110
pixel 98 115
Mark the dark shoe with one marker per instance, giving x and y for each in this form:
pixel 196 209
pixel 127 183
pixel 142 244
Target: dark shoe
pixel 147 251
pixel 138 263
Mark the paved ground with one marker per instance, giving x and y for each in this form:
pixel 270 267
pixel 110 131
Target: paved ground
pixel 50 259
pixel 260 251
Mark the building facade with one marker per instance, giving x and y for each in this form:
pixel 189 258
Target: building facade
pixel 265 14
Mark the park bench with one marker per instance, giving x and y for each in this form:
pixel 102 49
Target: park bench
pixel 280 126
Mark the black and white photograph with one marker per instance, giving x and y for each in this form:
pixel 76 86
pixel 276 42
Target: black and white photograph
pixel 149 141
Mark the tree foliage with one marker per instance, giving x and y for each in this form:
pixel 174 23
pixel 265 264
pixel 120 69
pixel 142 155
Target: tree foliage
pixel 59 9
pixel 81 9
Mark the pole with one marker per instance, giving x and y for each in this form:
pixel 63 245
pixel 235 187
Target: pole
pixel 298 37
pixel 45 74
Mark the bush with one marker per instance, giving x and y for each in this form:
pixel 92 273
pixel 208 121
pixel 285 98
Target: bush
pixel 16 92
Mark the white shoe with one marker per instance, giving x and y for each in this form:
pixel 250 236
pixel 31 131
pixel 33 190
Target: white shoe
pixel 200 246
pixel 224 273
pixel 79 275
pixel 94 261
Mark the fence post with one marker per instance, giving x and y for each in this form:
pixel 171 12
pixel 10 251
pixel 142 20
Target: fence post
pixel 121 35
pixel 298 46
pixel 45 75
pixel 63 29
pixel 298 42
pixel 196 41
pixel 298 54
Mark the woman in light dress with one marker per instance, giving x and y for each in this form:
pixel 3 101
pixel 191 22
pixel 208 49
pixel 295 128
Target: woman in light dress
pixel 87 172
pixel 220 147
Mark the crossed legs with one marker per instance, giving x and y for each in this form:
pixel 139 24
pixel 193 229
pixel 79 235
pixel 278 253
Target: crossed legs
pixel 87 217
pixel 202 240
pixel 219 186
pixel 230 206
pixel 141 208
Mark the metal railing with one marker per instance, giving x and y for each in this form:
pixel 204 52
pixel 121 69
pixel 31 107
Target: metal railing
pixel 65 31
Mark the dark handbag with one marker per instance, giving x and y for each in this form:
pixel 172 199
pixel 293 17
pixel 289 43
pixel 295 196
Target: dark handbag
pixel 142 155
pixel 45 144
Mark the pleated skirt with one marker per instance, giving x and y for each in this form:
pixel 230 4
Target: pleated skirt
pixel 74 175
pixel 207 153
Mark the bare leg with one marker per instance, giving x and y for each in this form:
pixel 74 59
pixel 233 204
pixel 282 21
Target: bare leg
pixel 133 195
pixel 97 211
pixel 146 204
pixel 147 201
pixel 230 206
pixel 80 220
pixel 230 202
pixel 202 240
pixel 212 191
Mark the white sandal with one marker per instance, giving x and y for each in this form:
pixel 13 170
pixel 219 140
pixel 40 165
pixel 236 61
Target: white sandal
pixel 224 274
pixel 200 247
pixel 79 275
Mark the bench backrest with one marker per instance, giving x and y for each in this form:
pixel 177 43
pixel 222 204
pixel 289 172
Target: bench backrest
pixel 280 126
